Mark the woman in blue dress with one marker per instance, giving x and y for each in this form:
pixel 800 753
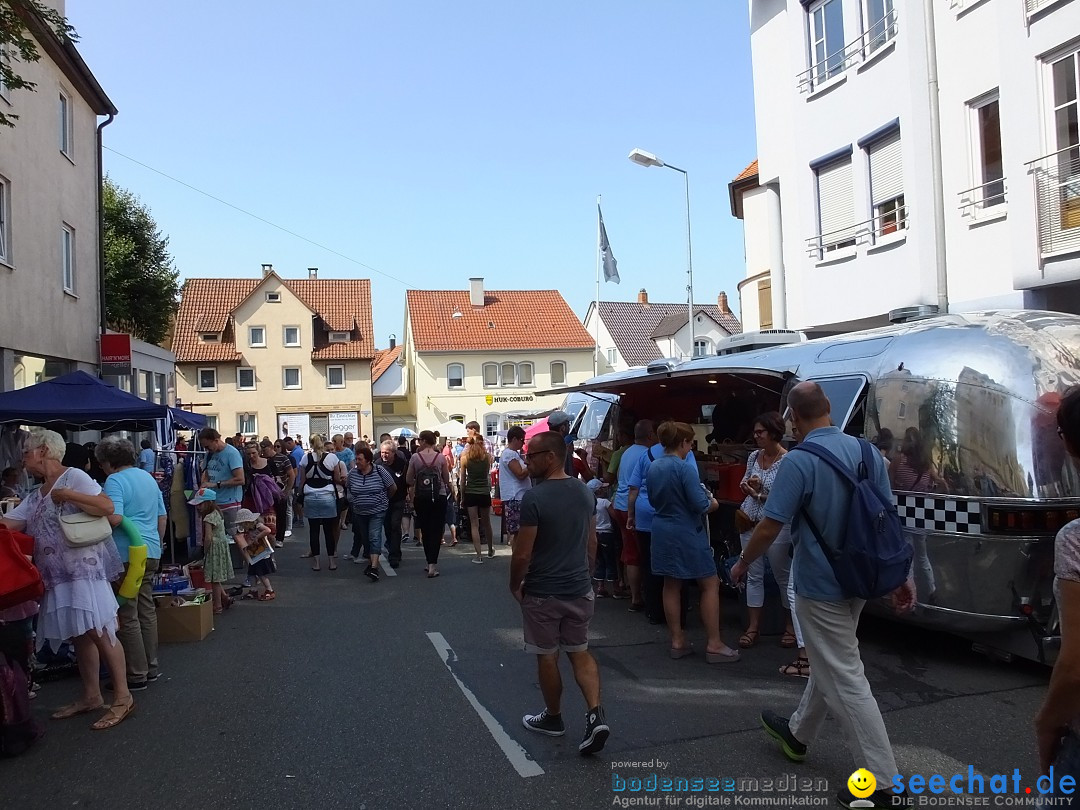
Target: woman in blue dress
pixel 680 545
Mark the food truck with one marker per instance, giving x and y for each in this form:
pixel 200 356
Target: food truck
pixel 973 396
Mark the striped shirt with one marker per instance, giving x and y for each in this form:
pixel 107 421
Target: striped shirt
pixel 367 493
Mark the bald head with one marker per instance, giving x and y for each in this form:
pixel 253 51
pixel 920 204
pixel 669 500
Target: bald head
pixel 549 440
pixel 808 401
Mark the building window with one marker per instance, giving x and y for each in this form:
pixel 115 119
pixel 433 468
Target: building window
pixel 491 375
pixel 509 374
pixel 159 389
pixel 887 185
pixel 335 376
pixel 881 23
pixel 386 408
pixel 764 302
pixel 901 410
pixel 257 337
pixel 291 337
pixel 3 87
pixel 458 417
pixel 65 124
pixel 612 356
pixel 273 298
pixel 525 373
pixel 491 425
pixel 836 207
pixel 558 373
pixel 67 256
pixel 291 377
pixel 247 424
pixel 989 168
pixel 826 20
pixel 210 337
pixel 455 375
pixel 211 420
pixel 245 379
pixel 339 337
pixel 701 347
pixel 208 379
pixel 5 224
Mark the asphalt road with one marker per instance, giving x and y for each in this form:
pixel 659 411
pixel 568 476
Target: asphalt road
pixel 337 695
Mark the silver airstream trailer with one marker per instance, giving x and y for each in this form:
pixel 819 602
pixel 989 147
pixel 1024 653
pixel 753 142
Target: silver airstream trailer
pixel 970 401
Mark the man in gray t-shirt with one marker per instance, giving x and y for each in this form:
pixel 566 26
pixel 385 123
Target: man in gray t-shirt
pixel 550 576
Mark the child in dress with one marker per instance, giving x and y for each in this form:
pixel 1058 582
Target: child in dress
pixel 253 539
pixel 217 562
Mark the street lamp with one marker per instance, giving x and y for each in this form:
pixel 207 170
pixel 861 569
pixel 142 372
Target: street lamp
pixel 643 158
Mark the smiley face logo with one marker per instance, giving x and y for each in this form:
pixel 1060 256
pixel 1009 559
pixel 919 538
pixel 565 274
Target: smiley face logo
pixel 861 783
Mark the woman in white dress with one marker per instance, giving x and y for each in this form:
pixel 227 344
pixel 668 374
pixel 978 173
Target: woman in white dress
pixel 78 601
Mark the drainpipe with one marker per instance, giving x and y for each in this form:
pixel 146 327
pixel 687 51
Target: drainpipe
pixel 940 264
pixel 101 230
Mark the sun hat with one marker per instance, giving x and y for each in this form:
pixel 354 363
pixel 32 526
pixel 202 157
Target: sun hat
pixel 595 483
pixel 202 495
pixel 558 419
pixel 246 516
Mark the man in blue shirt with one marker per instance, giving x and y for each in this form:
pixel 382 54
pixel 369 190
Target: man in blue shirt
pixel 644 436
pixel 224 473
pixel 807 486
pixel 146 457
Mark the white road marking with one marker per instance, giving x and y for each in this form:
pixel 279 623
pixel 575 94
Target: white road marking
pixel 385 567
pixel 518 756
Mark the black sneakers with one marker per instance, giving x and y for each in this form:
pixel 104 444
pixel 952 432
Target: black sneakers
pixel 372 573
pixel 777 728
pixel 596 732
pixel 544 723
pixel 879 798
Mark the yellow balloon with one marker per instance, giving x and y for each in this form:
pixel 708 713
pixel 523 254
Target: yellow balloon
pixel 861 783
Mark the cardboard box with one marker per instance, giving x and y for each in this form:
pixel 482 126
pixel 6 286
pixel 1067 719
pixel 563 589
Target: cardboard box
pixel 183 623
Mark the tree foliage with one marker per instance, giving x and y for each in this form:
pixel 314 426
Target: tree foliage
pixel 18 46
pixel 141 283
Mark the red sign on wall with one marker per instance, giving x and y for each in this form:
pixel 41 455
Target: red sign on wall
pixel 115 355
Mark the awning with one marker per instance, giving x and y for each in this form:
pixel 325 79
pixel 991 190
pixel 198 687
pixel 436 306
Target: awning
pixel 187 420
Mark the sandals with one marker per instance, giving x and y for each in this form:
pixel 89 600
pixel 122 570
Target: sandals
pixel 432 574
pixel 729 657
pixel 332 566
pixel 73 709
pixel 268 596
pixel 680 652
pixel 116 714
pixel 788 640
pixel 799 668
pixel 748 639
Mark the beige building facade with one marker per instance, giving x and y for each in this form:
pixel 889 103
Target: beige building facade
pixel 273 356
pixel 49 185
pixel 482 355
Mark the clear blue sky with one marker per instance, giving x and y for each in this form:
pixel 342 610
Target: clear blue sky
pixel 433 141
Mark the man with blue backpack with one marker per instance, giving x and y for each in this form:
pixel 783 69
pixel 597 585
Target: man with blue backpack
pixel 848 548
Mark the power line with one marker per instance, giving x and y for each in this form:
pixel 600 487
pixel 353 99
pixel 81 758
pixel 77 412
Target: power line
pixel 260 219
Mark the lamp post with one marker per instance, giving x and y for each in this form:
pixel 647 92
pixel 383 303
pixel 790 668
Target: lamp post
pixel 643 158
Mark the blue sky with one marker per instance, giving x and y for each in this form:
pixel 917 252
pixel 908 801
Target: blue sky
pixel 433 141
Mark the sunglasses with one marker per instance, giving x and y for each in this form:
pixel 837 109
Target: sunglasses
pixel 527 456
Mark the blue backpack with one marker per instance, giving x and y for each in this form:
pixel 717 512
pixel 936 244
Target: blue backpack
pixel 874 558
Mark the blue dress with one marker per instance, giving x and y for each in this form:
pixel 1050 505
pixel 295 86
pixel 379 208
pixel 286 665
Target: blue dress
pixel 680 545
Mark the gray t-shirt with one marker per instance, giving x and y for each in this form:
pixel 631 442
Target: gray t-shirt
pixel 562 511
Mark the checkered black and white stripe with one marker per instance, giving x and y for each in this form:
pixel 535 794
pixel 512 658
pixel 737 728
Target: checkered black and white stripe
pixel 936 513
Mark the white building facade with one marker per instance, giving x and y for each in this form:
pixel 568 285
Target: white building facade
pixel 913 161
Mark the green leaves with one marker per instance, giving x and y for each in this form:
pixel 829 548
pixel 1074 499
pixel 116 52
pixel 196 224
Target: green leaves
pixel 141 283
pixel 18 46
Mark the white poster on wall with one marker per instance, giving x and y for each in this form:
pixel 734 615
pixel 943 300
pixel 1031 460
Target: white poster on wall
pixel 344 422
pixel 294 424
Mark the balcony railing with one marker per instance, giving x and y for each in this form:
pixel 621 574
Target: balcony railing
pixel 876 35
pixel 871 232
pixel 974 201
pixel 1057 200
pixel 1034 6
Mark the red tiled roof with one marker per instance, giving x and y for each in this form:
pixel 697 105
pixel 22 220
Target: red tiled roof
pixel 633 326
pixel 510 320
pixel 344 305
pixel 749 171
pixel 384 358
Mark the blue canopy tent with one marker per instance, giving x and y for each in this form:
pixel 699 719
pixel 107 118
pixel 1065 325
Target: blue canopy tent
pixel 78 401
pixel 187 420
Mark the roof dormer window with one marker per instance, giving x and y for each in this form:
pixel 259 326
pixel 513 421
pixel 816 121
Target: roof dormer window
pixel 211 337
pixel 273 298
pixel 339 337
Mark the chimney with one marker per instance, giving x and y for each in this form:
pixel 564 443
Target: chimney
pixel 642 296
pixel 476 292
pixel 313 272
pixel 267 269
pixel 721 302
pixel 393 341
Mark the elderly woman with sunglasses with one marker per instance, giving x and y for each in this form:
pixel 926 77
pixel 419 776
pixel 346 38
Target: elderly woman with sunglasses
pixel 78 601
pixel 761 469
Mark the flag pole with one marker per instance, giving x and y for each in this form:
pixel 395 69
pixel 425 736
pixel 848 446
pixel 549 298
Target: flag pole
pixel 596 313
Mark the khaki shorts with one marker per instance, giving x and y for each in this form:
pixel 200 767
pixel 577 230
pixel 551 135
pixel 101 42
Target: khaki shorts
pixel 553 624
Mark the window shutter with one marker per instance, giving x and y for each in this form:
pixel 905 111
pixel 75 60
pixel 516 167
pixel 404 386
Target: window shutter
pixel 886 170
pixel 836 202
pixel 764 291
